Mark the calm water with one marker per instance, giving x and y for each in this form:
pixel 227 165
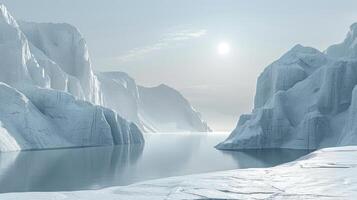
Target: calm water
pixel 163 155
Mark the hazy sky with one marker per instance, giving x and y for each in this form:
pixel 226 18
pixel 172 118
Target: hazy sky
pixel 175 42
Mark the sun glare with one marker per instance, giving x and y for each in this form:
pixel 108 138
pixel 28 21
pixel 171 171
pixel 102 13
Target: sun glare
pixel 223 48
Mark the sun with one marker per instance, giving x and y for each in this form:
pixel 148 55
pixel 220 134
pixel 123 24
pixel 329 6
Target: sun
pixel 223 48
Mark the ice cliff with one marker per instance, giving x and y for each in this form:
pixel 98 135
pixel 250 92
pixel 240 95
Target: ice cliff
pixel 42 118
pixel 49 95
pixel 307 99
pixel 46 55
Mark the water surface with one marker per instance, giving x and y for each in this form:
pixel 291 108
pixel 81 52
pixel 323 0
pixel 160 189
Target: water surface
pixel 163 155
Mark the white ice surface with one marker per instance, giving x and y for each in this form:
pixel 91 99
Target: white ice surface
pixel 325 174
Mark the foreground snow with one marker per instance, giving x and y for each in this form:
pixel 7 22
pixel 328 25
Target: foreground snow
pixel 325 174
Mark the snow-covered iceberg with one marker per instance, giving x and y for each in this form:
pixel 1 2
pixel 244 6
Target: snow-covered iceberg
pixel 324 174
pixel 155 109
pixel 307 99
pixel 49 95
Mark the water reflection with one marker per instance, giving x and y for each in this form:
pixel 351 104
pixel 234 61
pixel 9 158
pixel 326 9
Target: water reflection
pixel 164 155
pixel 65 169
pixel 265 158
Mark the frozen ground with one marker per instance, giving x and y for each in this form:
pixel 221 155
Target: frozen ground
pixel 325 174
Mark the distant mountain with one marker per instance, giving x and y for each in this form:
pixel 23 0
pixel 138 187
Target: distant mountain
pixel 157 109
pixel 165 109
pixel 305 100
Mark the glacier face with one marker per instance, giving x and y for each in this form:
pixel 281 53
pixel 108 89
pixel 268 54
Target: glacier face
pixel 46 55
pixel 38 118
pixel 63 45
pixel 304 100
pixel 49 95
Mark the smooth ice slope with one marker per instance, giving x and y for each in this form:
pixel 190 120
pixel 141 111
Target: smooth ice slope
pixel 325 174
pixel 305 100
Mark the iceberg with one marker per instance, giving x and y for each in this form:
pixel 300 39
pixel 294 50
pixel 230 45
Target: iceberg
pixel 304 100
pixel 49 95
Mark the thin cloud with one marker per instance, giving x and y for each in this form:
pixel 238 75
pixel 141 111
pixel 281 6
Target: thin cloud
pixel 185 35
pixel 167 40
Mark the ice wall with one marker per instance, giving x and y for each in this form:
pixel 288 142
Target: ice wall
pixel 36 118
pixel 304 100
pixel 49 95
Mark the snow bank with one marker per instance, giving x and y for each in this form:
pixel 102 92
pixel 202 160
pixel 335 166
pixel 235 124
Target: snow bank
pixel 324 174
pixel 304 100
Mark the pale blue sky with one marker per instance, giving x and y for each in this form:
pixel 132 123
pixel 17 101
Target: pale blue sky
pixel 174 42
